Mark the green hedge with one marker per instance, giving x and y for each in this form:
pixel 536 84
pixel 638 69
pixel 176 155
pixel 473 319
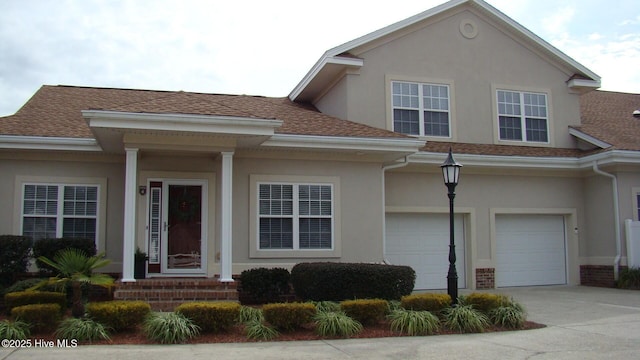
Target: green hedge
pixel 119 314
pixel 434 303
pixel 328 281
pixel 211 316
pixel 20 298
pixel 366 311
pixel 265 285
pixel 50 247
pixel 14 257
pixel 41 317
pixel 288 316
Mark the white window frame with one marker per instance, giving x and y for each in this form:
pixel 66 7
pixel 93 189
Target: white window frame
pixel 295 251
pixel 522 116
pixel 635 191
pixel 421 108
pixel 61 182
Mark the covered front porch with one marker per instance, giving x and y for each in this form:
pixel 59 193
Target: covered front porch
pixel 178 191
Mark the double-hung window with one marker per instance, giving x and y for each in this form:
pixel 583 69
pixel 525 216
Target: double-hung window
pixel 421 109
pixel 295 216
pixel 523 116
pixel 53 210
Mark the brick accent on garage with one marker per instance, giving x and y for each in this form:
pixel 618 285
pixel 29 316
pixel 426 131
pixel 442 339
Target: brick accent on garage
pixel 485 278
pixel 597 275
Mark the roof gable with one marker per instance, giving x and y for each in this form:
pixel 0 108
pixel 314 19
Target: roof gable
pixel 339 59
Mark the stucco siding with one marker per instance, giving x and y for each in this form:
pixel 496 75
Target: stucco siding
pixel 435 51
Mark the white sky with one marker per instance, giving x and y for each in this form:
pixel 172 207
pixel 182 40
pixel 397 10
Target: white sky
pixel 259 47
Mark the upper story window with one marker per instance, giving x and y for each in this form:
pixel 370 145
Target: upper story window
pixel 421 109
pixel 53 211
pixel 522 116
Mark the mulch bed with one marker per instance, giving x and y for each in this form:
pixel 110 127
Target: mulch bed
pixel 237 335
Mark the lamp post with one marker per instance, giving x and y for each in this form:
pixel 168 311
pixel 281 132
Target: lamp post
pixel 451 174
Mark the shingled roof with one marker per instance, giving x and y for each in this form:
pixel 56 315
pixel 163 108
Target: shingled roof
pixel 55 111
pixel 608 116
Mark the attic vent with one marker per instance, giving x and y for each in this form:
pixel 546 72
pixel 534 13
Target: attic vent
pixel 636 113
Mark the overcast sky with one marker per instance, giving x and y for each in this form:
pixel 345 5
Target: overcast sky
pixel 259 47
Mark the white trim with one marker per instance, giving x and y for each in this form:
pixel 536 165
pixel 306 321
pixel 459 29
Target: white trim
pixel 48 143
pixel 577 84
pixel 588 138
pixel 344 143
pixel 319 65
pixel 566 163
pixel 181 122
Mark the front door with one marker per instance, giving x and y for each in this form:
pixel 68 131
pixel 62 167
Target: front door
pixel 178 226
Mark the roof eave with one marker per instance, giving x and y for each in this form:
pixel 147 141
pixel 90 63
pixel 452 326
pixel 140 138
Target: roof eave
pixel 48 143
pixel 323 73
pixel 588 138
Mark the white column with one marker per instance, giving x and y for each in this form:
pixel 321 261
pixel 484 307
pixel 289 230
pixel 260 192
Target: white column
pixel 129 236
pixel 226 261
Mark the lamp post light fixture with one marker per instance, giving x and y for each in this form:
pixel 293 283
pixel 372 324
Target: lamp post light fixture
pixel 451 174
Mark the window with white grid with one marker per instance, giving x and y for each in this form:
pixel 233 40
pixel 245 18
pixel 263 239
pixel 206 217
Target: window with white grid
pixel 421 109
pixel 522 116
pixel 295 216
pixel 52 210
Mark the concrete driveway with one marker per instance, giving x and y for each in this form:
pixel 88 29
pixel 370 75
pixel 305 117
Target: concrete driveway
pixel 582 323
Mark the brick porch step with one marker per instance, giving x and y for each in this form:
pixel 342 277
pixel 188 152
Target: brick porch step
pixel 167 293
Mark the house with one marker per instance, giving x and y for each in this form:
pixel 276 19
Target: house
pixel 347 167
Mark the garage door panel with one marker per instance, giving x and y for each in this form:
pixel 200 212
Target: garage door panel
pixel 530 250
pixel 422 242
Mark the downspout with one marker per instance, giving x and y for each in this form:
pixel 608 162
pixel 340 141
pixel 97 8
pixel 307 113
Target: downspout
pixel 384 204
pixel 616 215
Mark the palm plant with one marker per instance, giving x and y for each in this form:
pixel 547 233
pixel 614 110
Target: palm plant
pixel 76 268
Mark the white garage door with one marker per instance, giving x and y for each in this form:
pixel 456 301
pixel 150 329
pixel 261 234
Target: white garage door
pixel 530 250
pixel 422 242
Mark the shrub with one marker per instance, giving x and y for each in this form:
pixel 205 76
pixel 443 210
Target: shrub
pixel 14 257
pixel 211 316
pixel 512 315
pixel 329 323
pixel 14 330
pixel 42 317
pixel 465 319
pixel 414 323
pixel 81 329
pixel 288 316
pixel 629 278
pixel 120 314
pixel 20 298
pixel 26 284
pixel 265 285
pixel 50 247
pixel 257 330
pixel 249 314
pixel 485 302
pixel 169 328
pixel 366 311
pixel 433 303
pixel 345 281
pixel 326 306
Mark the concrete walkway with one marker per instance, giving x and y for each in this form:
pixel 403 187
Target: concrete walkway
pixel 582 323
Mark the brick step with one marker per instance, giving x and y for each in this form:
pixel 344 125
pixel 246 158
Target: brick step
pixel 206 284
pixel 175 294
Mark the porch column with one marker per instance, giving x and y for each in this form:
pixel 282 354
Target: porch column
pixel 226 262
pixel 129 236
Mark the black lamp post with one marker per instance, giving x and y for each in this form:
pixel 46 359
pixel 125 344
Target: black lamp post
pixel 451 174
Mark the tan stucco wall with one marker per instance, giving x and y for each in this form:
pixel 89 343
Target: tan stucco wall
pixel 61 167
pixel 473 67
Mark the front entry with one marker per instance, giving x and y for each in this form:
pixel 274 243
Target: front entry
pixel 177 228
